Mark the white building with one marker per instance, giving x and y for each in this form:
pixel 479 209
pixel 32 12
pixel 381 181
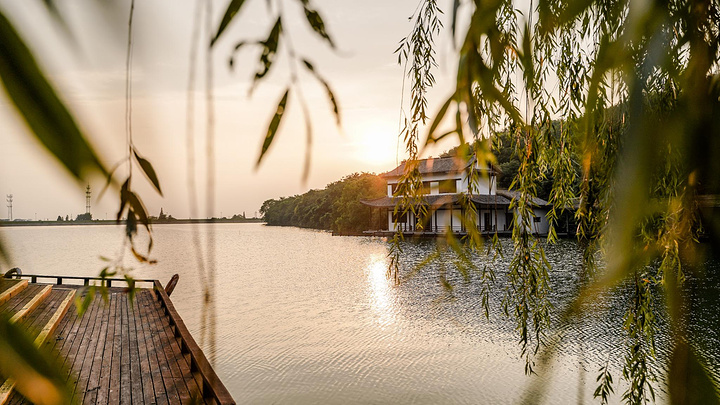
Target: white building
pixel 445 183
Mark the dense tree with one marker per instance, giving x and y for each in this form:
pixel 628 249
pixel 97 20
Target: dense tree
pixel 336 207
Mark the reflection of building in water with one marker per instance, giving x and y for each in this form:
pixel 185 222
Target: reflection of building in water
pixel 445 181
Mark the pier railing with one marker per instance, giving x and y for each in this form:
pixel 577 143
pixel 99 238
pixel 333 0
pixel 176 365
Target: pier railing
pixel 77 280
pixel 212 387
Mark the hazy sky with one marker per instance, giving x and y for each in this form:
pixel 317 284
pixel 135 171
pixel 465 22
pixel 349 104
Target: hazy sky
pixel 88 69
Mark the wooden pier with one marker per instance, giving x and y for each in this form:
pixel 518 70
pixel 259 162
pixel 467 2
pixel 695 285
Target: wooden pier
pixel 120 351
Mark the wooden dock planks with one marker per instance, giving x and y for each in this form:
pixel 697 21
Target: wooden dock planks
pixel 40 315
pixel 117 352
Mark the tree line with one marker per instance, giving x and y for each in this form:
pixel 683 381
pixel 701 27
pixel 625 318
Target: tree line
pixel 337 207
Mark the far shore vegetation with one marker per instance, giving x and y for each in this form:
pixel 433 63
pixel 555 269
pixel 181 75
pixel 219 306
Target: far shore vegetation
pixel 337 207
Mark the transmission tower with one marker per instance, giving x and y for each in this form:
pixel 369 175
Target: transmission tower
pixel 87 199
pixel 9 199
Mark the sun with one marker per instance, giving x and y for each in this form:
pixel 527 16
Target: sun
pixel 375 143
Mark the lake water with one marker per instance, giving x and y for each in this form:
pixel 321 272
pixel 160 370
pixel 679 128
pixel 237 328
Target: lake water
pixel 304 317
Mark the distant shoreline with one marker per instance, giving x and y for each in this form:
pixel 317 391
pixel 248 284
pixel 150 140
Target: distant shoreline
pixel 4 223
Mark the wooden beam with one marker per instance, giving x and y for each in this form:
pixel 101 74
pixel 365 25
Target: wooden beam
pixel 13 291
pixel 54 321
pixel 37 299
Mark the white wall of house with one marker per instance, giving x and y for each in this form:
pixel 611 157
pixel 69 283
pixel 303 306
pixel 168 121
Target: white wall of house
pixel 447 218
pixel 443 219
pixel 542 227
pixel 539 224
pixel 456 220
pixel 486 185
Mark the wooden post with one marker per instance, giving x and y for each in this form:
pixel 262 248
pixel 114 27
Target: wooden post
pixel 170 287
pixel 451 216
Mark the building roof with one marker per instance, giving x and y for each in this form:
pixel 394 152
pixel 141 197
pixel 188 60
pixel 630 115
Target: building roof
pixel 437 165
pixel 510 194
pixel 439 200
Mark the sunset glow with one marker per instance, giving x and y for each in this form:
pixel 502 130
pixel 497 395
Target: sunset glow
pixel 376 145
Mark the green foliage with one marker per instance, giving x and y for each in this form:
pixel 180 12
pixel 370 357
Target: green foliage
pixel 337 207
pixel 233 8
pixel 149 171
pixel 616 114
pixel 417 50
pixel 605 383
pixel 273 126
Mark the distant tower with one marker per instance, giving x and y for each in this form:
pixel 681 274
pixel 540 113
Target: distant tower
pixel 87 199
pixel 9 199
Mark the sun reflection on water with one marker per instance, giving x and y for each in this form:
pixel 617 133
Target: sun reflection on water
pixel 381 299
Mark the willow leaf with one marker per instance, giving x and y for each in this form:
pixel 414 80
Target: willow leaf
pixel 317 24
pixel 453 26
pixel 273 127
pixel 232 10
pixel 124 191
pixel 328 90
pixel 138 208
pixel 438 118
pixel 308 143
pixel 236 49
pixel 45 114
pixel 109 178
pixel 130 224
pixel 147 168
pixel 270 46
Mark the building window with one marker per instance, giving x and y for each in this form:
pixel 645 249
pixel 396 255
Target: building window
pixel 448 186
pixel 536 219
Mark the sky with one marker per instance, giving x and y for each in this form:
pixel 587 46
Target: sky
pixel 87 67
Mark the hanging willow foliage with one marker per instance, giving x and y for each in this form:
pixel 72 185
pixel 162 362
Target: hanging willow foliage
pixel 621 97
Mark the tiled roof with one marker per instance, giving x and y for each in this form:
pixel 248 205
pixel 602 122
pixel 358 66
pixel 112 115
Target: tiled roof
pixel 435 165
pixel 510 194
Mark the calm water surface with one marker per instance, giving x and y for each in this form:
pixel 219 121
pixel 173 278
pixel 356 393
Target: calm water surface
pixel 304 317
